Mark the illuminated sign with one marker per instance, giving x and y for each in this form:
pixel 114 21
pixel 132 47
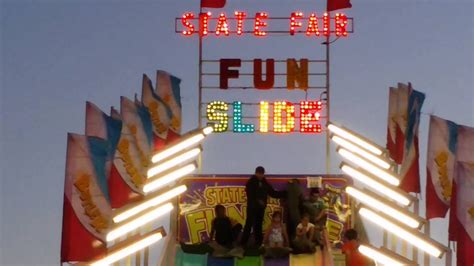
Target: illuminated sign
pixel 263 75
pixel 286 116
pixel 312 25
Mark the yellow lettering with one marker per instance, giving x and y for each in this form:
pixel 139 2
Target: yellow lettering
pixel 242 195
pixel 155 117
pixel 82 183
pixel 239 216
pixel 97 221
pixel 136 178
pixel 446 185
pixel 196 222
pixel 225 196
pixel 209 214
pixel 210 196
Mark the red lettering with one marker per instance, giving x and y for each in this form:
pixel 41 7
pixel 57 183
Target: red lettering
pixel 258 82
pixel 204 23
pixel 312 25
pixel 226 73
pixel 309 116
pixel 316 26
pixel 326 24
pixel 341 24
pixel 293 23
pixel 240 21
pixel 259 24
pixel 189 27
pixel 222 25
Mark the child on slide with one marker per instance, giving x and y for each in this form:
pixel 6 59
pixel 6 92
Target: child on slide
pixel 351 250
pixel 304 235
pixel 224 234
pixel 276 238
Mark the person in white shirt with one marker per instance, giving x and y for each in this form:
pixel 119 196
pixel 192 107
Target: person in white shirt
pixel 304 234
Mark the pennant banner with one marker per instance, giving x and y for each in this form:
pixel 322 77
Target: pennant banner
pixel 107 168
pixel 160 113
pixel 410 169
pixel 403 93
pixel 100 125
pixel 461 220
pixel 132 158
pixel 440 162
pixel 168 89
pixel 87 209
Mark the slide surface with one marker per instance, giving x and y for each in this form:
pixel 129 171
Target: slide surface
pixel 315 259
pixel 249 261
pixel 187 259
pixel 277 262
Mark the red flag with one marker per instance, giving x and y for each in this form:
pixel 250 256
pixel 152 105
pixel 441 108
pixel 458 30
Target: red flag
pixel 403 92
pixel 160 113
pixel 213 3
pixel 440 162
pixel 410 168
pixel 77 244
pixel 122 193
pixel 461 218
pixel 131 159
pixel 168 89
pixel 338 4
pixel 86 210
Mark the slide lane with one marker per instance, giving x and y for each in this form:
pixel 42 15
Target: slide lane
pixel 315 259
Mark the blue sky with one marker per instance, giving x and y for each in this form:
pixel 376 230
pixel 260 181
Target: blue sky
pixel 58 54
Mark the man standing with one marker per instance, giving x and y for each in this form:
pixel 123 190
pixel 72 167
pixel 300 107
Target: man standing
pixel 257 189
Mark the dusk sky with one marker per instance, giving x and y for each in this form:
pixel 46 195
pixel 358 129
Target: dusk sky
pixel 58 54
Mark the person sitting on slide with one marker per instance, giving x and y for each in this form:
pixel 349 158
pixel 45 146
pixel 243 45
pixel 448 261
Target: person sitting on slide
pixel 224 230
pixel 317 209
pixel 304 235
pixel 276 237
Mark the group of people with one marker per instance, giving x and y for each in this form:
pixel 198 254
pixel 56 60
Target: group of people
pixel 303 232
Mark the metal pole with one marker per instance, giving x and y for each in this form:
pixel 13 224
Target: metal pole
pixel 200 89
pixel 416 210
pixel 328 118
pixel 449 254
pixel 426 257
pixel 146 252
